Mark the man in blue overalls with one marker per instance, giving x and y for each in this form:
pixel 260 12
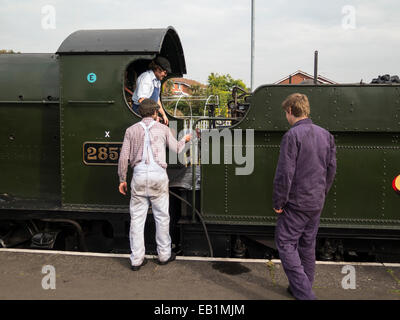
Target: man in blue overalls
pixel 148 85
pixel 304 174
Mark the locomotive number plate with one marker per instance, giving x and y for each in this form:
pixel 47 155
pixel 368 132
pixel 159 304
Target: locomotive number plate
pixel 101 153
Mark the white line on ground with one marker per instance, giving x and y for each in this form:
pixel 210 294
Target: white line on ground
pixel 187 258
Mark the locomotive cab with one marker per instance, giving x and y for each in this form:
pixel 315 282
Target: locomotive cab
pixel 133 71
pixel 98 72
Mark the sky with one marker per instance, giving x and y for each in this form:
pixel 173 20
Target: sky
pixel 356 39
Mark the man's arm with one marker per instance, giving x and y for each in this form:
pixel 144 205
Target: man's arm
pixel 284 172
pixel 123 163
pixel 175 145
pixel 144 88
pixel 331 170
pixel 161 110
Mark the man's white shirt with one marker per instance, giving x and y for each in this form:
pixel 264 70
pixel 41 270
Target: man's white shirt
pixel 145 85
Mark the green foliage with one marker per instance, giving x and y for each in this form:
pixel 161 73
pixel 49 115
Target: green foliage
pixel 218 85
pixel 224 82
pixel 4 51
pixel 197 90
pixel 186 106
pixel 222 86
pixel 168 87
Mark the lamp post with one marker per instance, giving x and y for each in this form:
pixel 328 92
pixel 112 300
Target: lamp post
pixel 252 45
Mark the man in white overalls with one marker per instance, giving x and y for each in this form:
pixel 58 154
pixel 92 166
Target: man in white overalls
pixel 144 146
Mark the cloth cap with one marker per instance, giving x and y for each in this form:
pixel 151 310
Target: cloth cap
pixel 163 63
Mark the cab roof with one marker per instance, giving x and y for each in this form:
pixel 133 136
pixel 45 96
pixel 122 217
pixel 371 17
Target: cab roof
pixel 165 42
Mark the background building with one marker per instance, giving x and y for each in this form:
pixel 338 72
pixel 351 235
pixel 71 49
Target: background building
pixel 300 76
pixel 182 86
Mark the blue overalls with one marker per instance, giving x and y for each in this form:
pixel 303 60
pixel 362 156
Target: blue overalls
pixel 149 185
pixel 154 96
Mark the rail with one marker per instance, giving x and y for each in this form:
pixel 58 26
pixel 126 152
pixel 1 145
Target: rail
pixel 90 102
pixel 31 102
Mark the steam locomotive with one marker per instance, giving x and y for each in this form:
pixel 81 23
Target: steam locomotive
pixel 62 122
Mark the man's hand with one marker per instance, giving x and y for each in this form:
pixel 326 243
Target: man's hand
pixel 123 188
pixel 162 112
pixel 188 137
pixel 278 210
pixel 165 119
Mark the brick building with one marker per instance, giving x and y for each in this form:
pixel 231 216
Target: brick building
pixel 300 76
pixel 182 86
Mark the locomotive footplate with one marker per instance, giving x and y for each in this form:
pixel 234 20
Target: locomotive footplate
pixel 258 242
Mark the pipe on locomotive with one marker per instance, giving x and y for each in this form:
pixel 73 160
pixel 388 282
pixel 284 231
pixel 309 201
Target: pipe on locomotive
pixel 194 210
pixel 78 228
pixel 201 219
pixel 315 67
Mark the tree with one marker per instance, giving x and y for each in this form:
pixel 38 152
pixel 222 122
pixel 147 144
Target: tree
pixel 187 105
pixel 222 86
pixel 168 85
pixel 218 85
pixel 224 82
pixel 4 51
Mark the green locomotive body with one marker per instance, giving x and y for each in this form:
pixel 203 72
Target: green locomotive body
pixel 29 113
pixel 365 120
pixel 63 118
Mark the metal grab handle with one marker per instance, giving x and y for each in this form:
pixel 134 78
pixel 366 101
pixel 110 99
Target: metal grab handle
pixel 192 161
pixel 90 102
pixel 31 102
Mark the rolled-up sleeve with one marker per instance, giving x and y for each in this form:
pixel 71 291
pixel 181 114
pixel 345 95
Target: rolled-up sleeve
pixel 145 87
pixel 123 161
pixel 284 171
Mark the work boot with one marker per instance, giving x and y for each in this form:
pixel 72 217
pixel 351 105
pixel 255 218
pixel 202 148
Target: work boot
pixel 171 258
pixel 136 268
pixel 288 290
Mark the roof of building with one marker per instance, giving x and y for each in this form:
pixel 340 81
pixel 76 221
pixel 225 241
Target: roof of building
pixel 320 79
pixel 188 82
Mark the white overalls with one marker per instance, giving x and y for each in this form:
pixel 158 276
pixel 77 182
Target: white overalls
pixel 149 185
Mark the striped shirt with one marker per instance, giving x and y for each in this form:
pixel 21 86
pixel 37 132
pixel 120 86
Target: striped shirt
pixel 132 147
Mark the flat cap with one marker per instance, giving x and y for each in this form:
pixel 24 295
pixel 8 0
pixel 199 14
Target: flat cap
pixel 163 63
